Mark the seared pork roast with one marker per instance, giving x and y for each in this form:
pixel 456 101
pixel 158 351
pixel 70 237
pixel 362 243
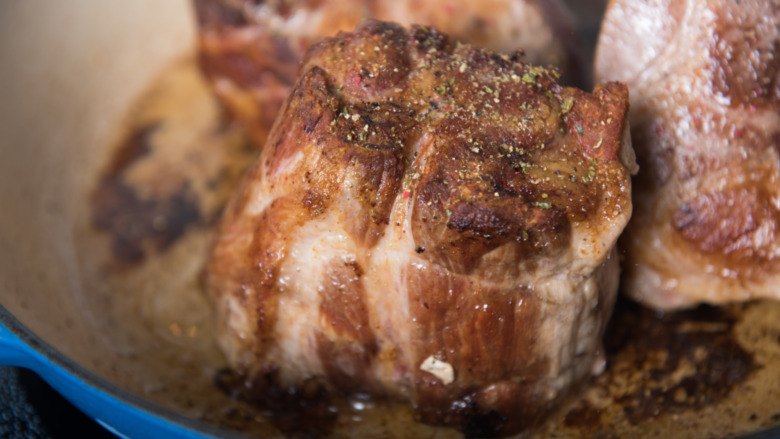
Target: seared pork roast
pixel 429 222
pixel 250 50
pixel 705 116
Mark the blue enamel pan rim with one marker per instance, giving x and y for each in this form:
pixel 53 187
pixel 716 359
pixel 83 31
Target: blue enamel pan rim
pixel 121 412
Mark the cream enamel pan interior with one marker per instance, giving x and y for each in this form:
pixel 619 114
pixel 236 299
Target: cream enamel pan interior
pixel 70 71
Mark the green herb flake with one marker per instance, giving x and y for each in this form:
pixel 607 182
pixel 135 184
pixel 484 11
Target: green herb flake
pixel 567 105
pixel 543 205
pixel 525 166
pixel 591 172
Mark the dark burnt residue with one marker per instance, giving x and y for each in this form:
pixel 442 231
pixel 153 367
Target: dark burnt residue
pixel 482 424
pixel 134 224
pixel 305 411
pixel 134 148
pixel 676 362
pixel 583 416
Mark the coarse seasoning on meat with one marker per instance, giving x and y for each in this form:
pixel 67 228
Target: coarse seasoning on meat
pixel 429 222
pixel 705 86
pixel 250 50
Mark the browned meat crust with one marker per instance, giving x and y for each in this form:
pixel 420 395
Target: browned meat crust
pixel 423 200
pixel 250 50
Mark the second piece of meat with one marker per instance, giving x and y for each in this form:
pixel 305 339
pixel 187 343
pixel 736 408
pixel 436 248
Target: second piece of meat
pixel 705 118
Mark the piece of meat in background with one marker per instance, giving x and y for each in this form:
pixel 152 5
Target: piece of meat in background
pixel 250 50
pixel 429 222
pixel 704 81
